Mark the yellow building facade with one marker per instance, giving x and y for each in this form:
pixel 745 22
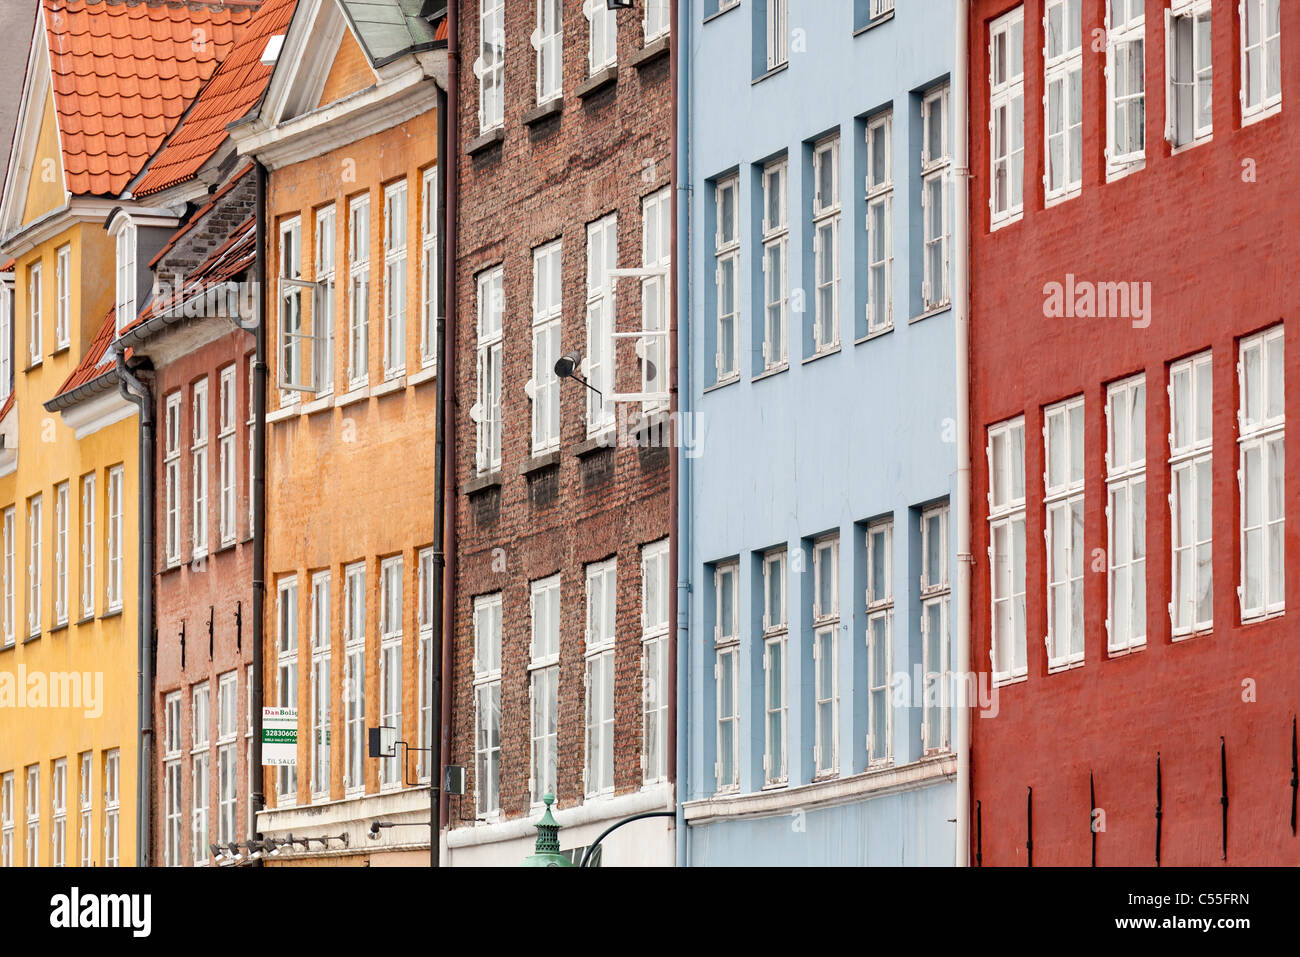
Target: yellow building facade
pixel 70 658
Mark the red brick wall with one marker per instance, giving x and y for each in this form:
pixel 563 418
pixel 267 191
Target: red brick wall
pixel 604 154
pixel 1217 250
pixel 220 584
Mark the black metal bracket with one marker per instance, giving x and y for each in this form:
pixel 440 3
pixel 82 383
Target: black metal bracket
pixel 1159 807
pixel 1029 821
pixel 586 855
pixel 1223 790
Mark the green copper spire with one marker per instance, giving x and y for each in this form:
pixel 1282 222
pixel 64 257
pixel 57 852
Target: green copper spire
pixel 547 852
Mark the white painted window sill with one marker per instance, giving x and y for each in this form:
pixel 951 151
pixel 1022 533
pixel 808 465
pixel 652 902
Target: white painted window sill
pixel 350 398
pixel 318 405
pixel 424 375
pixel 282 413
pixel 390 386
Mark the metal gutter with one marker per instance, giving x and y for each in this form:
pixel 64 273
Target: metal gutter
pixel 255 773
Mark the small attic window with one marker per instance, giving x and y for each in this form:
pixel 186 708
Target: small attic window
pixel 272 51
pixel 124 232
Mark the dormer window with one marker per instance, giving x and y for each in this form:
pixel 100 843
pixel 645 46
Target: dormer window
pixel 124 231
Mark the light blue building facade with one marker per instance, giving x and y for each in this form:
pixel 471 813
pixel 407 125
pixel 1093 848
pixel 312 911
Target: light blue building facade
pixel 817 361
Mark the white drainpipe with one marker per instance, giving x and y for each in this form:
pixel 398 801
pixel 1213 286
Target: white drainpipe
pixel 961 323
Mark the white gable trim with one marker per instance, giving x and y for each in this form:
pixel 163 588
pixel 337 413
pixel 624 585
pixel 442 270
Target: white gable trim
pixel 105 409
pixel 27 131
pixel 300 71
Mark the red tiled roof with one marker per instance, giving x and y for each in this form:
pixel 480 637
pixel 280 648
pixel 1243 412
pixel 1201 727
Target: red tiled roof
pixel 227 261
pixel 123 74
pixel 440 34
pixel 233 90
pixel 9 404
pixel 97 361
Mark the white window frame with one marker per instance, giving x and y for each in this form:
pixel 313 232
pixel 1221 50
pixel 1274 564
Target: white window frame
pixel 598 771
pixel 358 291
pixel 10 569
pixel 35 295
pixel 1063 501
pixel 726 674
pixel 429 271
pixel 112 805
pixel 880 210
pixel 654 662
pixel 125 243
pixel 487 410
pixel 1188 81
pixel 286 676
pixel 114 534
pixel 199 477
pixel 657 21
pixel 936 163
pixel 85 843
pixel 63 297
pixel 1190 453
pixel 1269 101
pixel 6 342
pixel 826 213
pixel 392 771
pixel 490 67
pixel 88 544
pixel 59 813
pixel 325 268
pixel 173 801
pixel 227 770
pixel 1123 35
pixel 322 684
pixel 32 799
pixel 172 478
pixel 487 706
pixel 1261 431
pixel 776 662
pixel 200 773
pixel 726 251
pixel 354 679
pixel 7 819
pixel 426 585
pixel 1007 517
pixel 826 629
pixel 543 389
pixel 1126 480
pixel 598 364
pixel 62 505
pixel 880 642
pixel 776 268
pixel 1063 82
pixel 656 254
pixel 602 35
pixel 544 687
pixel 289 358
pixel 548 41
pixel 395 228
pixel 1006 106
pixel 227 465
pixel 935 610
pixel 35 564
pixel 777 22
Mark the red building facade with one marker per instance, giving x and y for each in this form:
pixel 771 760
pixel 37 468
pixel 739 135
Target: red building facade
pixel 1132 300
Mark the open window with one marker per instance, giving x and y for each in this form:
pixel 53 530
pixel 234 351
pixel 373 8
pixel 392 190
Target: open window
pixel 300 364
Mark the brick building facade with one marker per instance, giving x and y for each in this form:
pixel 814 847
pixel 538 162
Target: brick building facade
pixel 559 660
pixel 1132 301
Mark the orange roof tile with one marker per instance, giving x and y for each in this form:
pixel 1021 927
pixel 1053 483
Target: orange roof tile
pixel 9 404
pixel 95 364
pixel 233 90
pixel 123 73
